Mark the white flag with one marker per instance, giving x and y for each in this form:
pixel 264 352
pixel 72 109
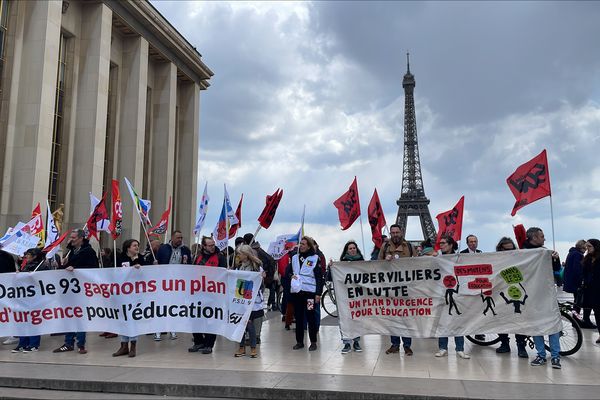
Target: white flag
pixel 52 233
pixel 202 210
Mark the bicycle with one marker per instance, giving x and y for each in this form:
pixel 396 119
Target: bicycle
pixel 571 337
pixel 328 301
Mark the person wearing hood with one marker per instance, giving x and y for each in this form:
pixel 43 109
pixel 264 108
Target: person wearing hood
pixel 573 278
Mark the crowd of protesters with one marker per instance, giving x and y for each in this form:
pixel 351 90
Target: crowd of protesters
pixel 301 275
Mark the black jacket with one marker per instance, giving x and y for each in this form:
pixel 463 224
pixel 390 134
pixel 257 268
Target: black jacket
pixel 7 262
pixel 85 257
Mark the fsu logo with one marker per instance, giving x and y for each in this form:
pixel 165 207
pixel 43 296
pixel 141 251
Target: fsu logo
pixel 243 289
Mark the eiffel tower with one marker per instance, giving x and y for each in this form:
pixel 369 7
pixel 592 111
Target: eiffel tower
pixel 413 201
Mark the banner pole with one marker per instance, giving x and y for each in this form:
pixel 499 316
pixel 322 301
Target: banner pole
pixel 552 220
pixel 115 252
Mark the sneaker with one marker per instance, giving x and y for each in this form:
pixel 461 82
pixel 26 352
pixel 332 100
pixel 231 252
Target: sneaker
pixel 157 337
pixel 110 335
pixel 18 349
pixel 33 349
pixel 522 353
pixel 504 348
pixel 196 348
pixel 347 349
pixel 63 349
pixel 11 340
pixel 556 363
pixel 298 346
pixel 206 350
pixel 538 361
pixel 82 350
pixel 357 347
pixel 173 336
pixel 393 349
pixel 441 353
pixel 463 355
pixel 312 347
pixel 408 351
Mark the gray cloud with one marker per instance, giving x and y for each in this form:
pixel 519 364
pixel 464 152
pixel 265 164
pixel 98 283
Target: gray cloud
pixel 307 95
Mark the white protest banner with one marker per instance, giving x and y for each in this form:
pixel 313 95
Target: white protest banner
pixel 278 248
pixel 452 295
pixel 19 242
pixel 128 301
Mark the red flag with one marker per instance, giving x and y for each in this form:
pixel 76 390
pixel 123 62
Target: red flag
pixel 450 223
pixel 116 222
pixel 520 234
pixel 100 213
pixel 163 224
pixel 348 206
pixel 36 225
pixel 53 247
pixel 268 213
pixel 530 182
pixel 376 219
pixel 238 213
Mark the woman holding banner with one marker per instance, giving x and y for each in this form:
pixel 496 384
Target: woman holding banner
pixel 351 252
pixel 306 288
pixel 449 246
pixel 33 260
pixel 248 261
pixel 129 257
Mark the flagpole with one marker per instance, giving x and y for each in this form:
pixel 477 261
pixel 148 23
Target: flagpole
pixel 362 233
pixel 36 268
pixel 100 250
pixel 115 252
pixel 255 233
pixel 552 220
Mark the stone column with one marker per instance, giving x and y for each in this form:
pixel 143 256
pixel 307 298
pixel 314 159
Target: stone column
pixel 31 114
pixel 132 121
pixel 91 108
pixel 187 158
pixel 163 138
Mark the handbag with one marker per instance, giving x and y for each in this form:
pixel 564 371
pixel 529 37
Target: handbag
pixel 296 285
pixel 579 297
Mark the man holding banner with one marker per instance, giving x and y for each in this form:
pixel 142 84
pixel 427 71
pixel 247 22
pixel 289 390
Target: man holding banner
pixel 81 255
pixel 536 239
pixel 396 248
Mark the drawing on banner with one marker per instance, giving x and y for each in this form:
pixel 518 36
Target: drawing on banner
pixel 512 276
pixel 451 282
pixel 487 298
pixel 515 294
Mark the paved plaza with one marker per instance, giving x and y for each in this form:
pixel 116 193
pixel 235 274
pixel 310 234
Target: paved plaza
pixel 167 368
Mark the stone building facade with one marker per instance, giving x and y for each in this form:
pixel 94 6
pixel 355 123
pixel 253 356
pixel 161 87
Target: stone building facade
pixel 91 91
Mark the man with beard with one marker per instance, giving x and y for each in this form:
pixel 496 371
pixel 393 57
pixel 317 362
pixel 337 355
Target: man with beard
pixel 209 256
pixel 396 248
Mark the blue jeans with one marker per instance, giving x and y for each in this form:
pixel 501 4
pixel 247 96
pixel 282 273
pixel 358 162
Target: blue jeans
pixel 127 339
pixel 396 341
pixel 459 341
pixel 553 341
pixel 70 339
pixel 29 341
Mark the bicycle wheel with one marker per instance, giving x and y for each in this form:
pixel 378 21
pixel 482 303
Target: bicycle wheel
pixel 328 303
pixel 570 336
pixel 279 297
pixel 489 340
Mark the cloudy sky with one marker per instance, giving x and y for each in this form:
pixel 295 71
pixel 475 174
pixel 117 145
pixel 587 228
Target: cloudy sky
pixel 307 95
